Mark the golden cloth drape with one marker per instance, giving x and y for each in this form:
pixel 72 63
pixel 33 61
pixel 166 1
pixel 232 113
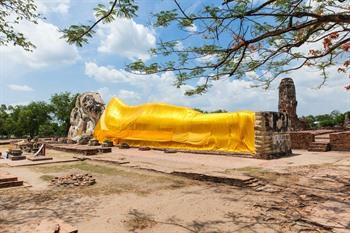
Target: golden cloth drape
pixel 161 125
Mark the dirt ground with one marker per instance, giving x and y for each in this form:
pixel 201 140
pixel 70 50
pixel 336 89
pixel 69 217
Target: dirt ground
pixel 313 198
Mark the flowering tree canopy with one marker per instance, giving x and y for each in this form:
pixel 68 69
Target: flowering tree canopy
pixel 234 38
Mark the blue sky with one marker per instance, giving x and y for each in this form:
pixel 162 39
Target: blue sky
pixel 56 66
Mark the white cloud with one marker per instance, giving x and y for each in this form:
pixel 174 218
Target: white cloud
pixel 50 48
pixel 232 95
pixel 224 94
pixel 192 28
pixel 104 92
pixel 126 38
pixel 16 87
pixel 206 59
pixel 128 95
pixel 314 100
pixel 104 74
pixel 56 6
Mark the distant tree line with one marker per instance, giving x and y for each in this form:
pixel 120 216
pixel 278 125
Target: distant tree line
pixel 335 118
pixel 38 118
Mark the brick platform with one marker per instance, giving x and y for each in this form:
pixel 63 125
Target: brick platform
pixel 340 141
pixel 79 149
pixel 8 181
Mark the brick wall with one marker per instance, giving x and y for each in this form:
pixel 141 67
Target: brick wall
pixel 340 141
pixel 301 140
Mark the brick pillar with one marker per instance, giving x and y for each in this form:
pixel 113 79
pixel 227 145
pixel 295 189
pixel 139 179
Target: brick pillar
pixel 287 101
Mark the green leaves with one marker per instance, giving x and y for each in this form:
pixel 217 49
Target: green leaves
pixel 120 8
pixel 107 15
pixel 80 34
pixel 186 22
pixel 13 12
pixel 137 66
pixel 126 8
pixel 199 89
pixel 164 18
pixel 77 34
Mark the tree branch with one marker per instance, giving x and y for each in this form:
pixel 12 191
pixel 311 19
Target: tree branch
pixel 98 21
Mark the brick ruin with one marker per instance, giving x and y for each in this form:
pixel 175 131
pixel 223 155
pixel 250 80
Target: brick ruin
pixel 287 101
pixel 312 140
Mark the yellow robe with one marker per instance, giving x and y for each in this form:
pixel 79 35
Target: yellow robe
pixel 161 125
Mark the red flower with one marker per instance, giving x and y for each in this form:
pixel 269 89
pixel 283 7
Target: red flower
pixel 346 47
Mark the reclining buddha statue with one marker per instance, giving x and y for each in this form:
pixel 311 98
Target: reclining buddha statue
pixel 158 125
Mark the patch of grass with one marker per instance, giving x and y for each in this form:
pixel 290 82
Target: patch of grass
pixel 115 179
pixel 46 177
pixel 111 170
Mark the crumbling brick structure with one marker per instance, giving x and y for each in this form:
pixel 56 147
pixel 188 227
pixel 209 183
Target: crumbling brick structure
pixel 288 102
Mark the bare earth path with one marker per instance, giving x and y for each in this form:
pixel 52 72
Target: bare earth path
pixel 292 195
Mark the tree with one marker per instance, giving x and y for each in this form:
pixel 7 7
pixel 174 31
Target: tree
pixel 38 118
pixel 237 37
pixel 3 118
pixel 335 118
pixel 62 105
pixel 32 116
pixel 13 12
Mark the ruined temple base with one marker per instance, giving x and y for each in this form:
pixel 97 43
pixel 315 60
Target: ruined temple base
pixel 79 149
